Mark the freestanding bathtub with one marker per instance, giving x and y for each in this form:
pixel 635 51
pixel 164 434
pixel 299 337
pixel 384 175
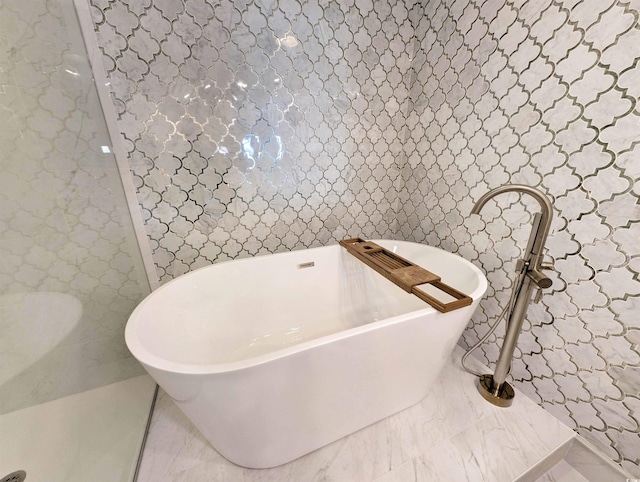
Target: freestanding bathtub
pixel 275 356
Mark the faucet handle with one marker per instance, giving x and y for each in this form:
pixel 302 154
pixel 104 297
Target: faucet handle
pixel 538 278
pixel 548 265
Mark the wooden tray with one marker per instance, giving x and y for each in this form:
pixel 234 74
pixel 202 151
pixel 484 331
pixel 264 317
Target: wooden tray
pixel 404 273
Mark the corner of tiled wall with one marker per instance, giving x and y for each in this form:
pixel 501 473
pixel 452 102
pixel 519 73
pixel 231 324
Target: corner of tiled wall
pixel 541 93
pixel 255 127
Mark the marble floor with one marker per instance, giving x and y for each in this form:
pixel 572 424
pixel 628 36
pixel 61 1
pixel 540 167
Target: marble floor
pixel 452 435
pixel 92 436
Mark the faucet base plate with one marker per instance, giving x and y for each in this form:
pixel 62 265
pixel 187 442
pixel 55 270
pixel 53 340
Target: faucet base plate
pixel 501 396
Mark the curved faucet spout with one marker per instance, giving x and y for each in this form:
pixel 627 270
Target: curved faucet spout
pixel 538 233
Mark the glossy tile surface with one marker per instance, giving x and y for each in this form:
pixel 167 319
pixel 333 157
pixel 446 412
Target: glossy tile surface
pixel 259 127
pixel 453 434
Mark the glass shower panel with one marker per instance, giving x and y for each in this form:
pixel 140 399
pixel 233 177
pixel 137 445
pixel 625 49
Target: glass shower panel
pixel 71 270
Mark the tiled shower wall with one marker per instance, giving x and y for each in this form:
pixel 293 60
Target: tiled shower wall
pixel 71 271
pixel 256 127
pixel 542 93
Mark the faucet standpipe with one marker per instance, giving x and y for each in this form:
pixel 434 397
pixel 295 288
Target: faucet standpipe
pixel 494 388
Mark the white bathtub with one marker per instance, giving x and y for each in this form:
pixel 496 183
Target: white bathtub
pixel 271 359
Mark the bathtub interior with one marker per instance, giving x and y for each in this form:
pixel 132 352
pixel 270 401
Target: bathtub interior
pixel 249 308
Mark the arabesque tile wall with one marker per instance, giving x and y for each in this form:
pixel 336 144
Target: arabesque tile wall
pixel 256 127
pixel 261 126
pixel 541 93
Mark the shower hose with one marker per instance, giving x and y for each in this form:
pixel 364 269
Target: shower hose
pixel 507 309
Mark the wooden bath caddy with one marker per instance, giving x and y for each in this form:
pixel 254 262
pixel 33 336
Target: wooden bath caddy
pixel 404 273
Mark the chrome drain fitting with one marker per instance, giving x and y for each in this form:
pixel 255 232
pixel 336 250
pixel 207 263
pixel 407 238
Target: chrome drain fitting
pixel 17 476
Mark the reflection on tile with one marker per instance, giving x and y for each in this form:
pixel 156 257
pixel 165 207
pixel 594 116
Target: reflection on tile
pixel 453 434
pixel 282 130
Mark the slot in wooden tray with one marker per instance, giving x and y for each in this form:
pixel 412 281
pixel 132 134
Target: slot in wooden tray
pixel 404 273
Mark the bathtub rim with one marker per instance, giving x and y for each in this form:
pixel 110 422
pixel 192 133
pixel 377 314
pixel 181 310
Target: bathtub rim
pixel 146 358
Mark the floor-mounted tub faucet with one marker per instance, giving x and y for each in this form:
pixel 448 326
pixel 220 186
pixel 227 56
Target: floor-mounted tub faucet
pixel 494 388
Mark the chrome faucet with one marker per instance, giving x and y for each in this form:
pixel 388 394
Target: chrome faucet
pixel 494 388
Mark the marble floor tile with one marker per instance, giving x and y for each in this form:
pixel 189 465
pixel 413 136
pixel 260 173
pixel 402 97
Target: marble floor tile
pixel 453 434
pixel 173 444
pixel 403 473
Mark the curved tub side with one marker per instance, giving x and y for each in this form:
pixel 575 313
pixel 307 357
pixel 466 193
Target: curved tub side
pixel 270 409
pixel 273 413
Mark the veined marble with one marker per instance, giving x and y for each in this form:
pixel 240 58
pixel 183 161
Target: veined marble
pixel 453 434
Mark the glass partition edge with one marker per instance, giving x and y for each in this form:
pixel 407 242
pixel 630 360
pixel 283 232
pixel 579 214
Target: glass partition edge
pixel 100 81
